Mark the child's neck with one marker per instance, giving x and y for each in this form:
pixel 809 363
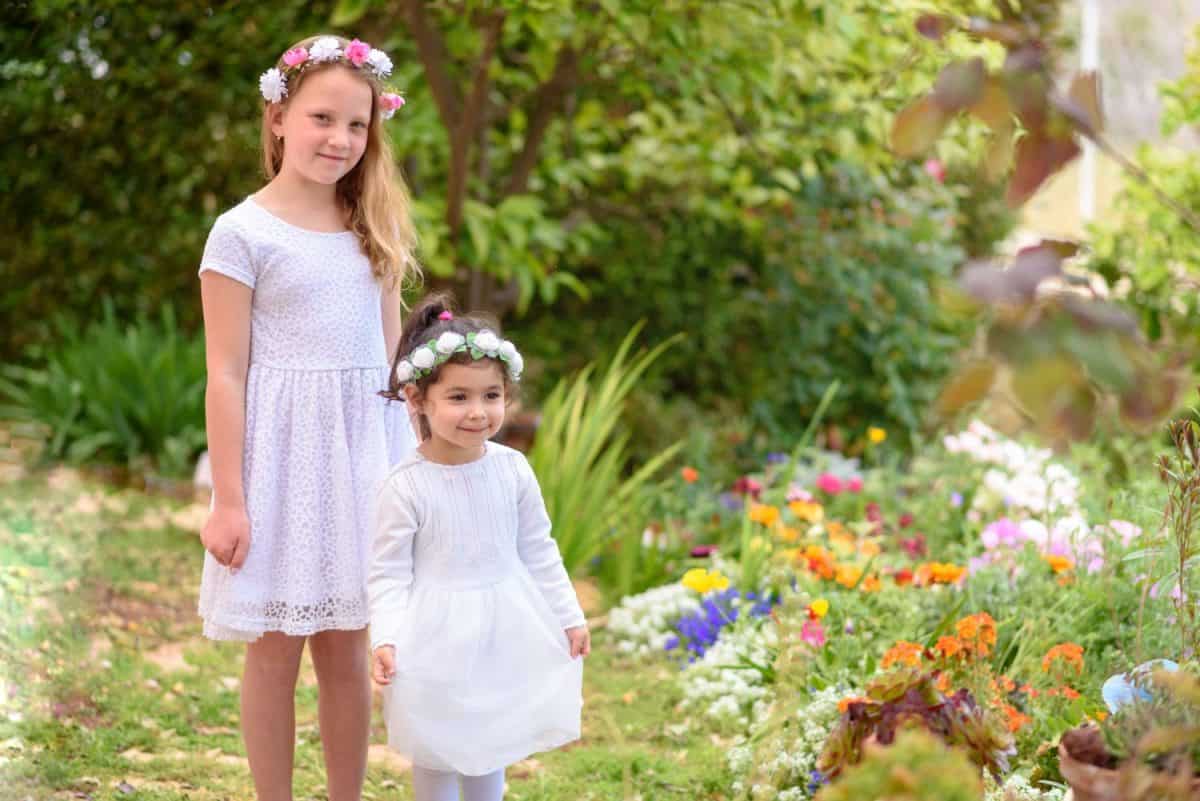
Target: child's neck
pixel 303 203
pixel 436 449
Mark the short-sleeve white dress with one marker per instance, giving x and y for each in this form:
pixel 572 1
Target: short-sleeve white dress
pixel 319 440
pixel 468 585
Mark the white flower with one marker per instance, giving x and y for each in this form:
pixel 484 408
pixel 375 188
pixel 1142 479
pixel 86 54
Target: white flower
pixel 404 371
pixel 423 357
pixel 516 365
pixel 449 342
pixel 273 85
pixel 379 63
pixel 325 49
pixel 487 342
pixel 507 349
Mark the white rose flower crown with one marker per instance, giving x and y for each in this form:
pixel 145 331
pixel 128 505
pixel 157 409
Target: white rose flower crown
pixel 359 55
pixel 480 344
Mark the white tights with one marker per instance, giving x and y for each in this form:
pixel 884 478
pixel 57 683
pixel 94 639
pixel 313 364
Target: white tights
pixel 436 785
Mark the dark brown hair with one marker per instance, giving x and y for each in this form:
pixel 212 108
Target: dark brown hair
pixel 423 324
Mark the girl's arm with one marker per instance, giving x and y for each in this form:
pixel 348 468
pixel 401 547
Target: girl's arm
pixel 226 305
pixel 391 574
pixel 391 320
pixel 540 553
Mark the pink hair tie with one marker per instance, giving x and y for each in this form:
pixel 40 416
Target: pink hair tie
pixel 446 315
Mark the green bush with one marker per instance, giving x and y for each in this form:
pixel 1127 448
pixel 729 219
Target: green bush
pixel 839 283
pixel 126 394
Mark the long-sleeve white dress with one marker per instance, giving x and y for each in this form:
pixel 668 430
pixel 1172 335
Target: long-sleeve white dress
pixel 468 585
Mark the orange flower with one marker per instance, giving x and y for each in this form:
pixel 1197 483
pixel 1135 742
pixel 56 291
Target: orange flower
pixel 848 575
pixel 1069 693
pixel 1016 718
pixel 871 584
pixel 903 652
pixel 764 513
pixel 977 633
pixel 943 683
pixel 868 548
pixel 690 474
pixel 807 511
pixel 845 703
pixel 938 573
pixel 1070 654
pixel 820 561
pixel 949 647
pixel 1059 564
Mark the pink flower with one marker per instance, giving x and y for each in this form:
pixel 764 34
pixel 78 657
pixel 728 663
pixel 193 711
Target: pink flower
pixel 357 52
pixel 797 493
pixel 855 484
pixel 747 486
pixel 874 514
pixel 829 483
pixel 297 55
pixel 935 170
pixel 812 633
pixel 915 546
pixel 701 551
pixel 906 520
pixel 391 101
pixel 1003 532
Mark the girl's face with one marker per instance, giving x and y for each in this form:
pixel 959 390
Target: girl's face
pixel 464 406
pixel 324 126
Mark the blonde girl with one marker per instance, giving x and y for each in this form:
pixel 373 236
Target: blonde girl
pixel 300 287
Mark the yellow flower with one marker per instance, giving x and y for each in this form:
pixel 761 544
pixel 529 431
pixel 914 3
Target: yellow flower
pixel 876 435
pixel 764 513
pixel 819 607
pixel 758 544
pixel 702 581
pixel 807 511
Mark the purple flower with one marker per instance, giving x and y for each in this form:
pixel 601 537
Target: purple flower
pixel 701 551
pixel 776 458
pixel 956 499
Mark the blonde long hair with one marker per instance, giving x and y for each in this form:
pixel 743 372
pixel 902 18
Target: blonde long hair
pixel 373 194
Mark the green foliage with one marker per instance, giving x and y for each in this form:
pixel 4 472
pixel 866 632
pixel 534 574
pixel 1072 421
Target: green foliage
pixel 838 282
pixel 128 394
pixel 129 126
pixel 579 454
pixel 917 767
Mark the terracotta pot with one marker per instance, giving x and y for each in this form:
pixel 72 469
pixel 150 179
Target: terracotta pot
pixel 1093 783
pixel 1088 782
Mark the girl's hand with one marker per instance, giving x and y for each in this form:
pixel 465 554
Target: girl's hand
pixel 226 535
pixel 383 665
pixel 580 640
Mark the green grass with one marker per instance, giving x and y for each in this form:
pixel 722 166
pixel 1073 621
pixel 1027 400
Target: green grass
pixel 109 691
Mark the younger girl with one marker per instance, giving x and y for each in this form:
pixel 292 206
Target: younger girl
pixel 300 287
pixel 475 627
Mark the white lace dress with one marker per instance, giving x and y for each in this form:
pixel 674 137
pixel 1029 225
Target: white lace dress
pixel 318 437
pixel 468 585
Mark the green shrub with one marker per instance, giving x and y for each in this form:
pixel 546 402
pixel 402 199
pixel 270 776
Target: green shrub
pixel 128 394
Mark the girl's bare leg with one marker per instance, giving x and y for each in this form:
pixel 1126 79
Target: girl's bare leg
pixel 344 708
pixel 269 712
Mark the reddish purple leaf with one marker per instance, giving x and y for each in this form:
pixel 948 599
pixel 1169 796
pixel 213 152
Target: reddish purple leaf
pixel 1038 157
pixel 917 127
pixel 933 26
pixel 960 84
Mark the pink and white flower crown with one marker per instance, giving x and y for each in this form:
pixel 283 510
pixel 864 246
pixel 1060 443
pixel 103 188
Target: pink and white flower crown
pixel 359 55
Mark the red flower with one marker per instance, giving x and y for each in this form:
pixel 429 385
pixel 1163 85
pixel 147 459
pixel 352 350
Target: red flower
pixel 914 546
pixel 874 514
pixel 747 486
pixel 906 520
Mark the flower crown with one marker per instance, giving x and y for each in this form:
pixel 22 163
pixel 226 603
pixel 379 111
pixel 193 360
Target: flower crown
pixel 480 344
pixel 360 55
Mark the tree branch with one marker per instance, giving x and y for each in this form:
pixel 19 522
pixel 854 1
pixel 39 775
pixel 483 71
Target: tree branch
pixel 546 102
pixel 462 134
pixel 432 50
